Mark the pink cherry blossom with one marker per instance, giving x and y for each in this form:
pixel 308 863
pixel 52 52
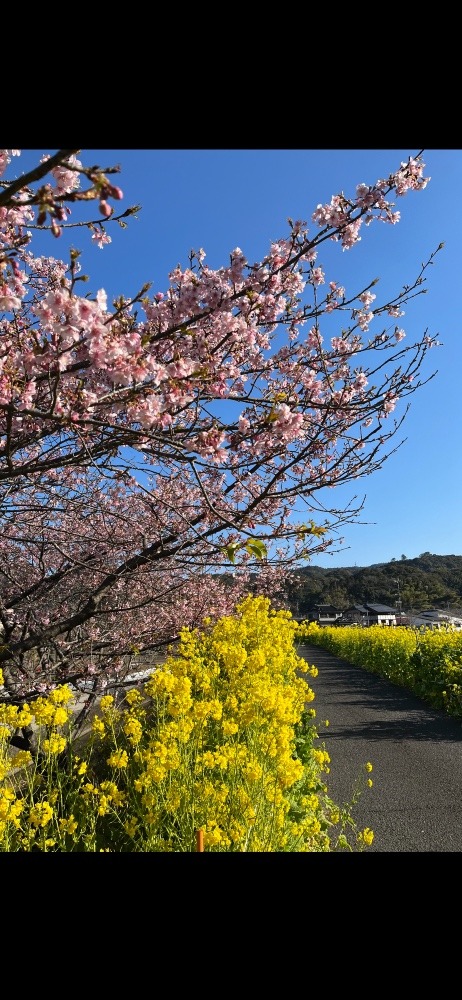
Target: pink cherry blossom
pixel 142 442
pixel 101 238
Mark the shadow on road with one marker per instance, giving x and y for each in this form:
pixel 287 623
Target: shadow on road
pixel 401 715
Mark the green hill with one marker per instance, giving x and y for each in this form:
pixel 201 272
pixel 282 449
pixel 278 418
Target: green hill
pixel 429 581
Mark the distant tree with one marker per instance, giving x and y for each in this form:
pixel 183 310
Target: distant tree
pixel 149 445
pixel 337 596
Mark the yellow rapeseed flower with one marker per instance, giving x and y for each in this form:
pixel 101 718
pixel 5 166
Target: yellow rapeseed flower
pixel 229 727
pixel 8 714
pixel 204 789
pixel 221 793
pixel 131 826
pixel 208 759
pixel 215 709
pixel 237 832
pixel 118 759
pixel 173 800
pixel 61 716
pixel 289 771
pixel 113 793
pixel 252 771
pixel 61 695
pixel 103 806
pixel 41 814
pixel 311 825
pixel 55 744
pixel 24 717
pixel 200 711
pixel 98 727
pixel 159 684
pixel 133 730
pixel 7 802
pixel 133 696
pixel 22 758
pixel 221 759
pixel 44 711
pixel 89 789
pixel 322 758
pixel 157 773
pixel 310 802
pixel 68 825
pixel 106 702
pixel 16 809
pixel 213 835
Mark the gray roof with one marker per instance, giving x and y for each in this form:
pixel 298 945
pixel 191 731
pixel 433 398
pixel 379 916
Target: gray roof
pixel 381 609
pixel 376 609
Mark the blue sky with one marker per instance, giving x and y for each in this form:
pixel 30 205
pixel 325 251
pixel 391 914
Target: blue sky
pixel 222 198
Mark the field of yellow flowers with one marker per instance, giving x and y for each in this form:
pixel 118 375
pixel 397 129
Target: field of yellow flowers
pixel 426 662
pixel 218 749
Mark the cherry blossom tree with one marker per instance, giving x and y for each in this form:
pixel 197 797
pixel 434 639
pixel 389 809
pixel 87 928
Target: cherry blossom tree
pixel 152 450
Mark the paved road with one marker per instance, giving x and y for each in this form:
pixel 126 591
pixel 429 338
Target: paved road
pixel 415 804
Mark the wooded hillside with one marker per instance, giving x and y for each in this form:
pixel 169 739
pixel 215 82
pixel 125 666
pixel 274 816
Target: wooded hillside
pixel 429 581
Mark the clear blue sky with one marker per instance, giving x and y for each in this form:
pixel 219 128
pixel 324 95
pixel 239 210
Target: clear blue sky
pixel 222 198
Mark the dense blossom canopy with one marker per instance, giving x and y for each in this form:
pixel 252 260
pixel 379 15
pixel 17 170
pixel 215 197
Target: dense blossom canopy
pixel 147 446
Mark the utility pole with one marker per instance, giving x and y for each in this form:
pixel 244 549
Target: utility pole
pixel 398 602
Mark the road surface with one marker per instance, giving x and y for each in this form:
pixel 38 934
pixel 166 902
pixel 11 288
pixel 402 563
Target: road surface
pixel 415 804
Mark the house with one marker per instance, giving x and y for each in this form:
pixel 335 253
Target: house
pixel 403 619
pixel 368 614
pixel 381 614
pixel 436 619
pixel 326 614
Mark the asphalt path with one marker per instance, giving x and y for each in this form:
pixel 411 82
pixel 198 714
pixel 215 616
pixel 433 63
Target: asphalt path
pixel 415 803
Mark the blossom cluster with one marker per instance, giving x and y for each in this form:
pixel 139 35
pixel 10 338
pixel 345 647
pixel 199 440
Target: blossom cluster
pixel 152 444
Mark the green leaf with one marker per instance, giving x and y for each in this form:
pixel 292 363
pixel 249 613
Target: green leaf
pixel 230 551
pixel 256 548
pixel 310 529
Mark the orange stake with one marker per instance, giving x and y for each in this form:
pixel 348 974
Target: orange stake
pixel 199 840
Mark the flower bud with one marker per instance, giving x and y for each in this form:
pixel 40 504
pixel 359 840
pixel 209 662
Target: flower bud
pixel 105 209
